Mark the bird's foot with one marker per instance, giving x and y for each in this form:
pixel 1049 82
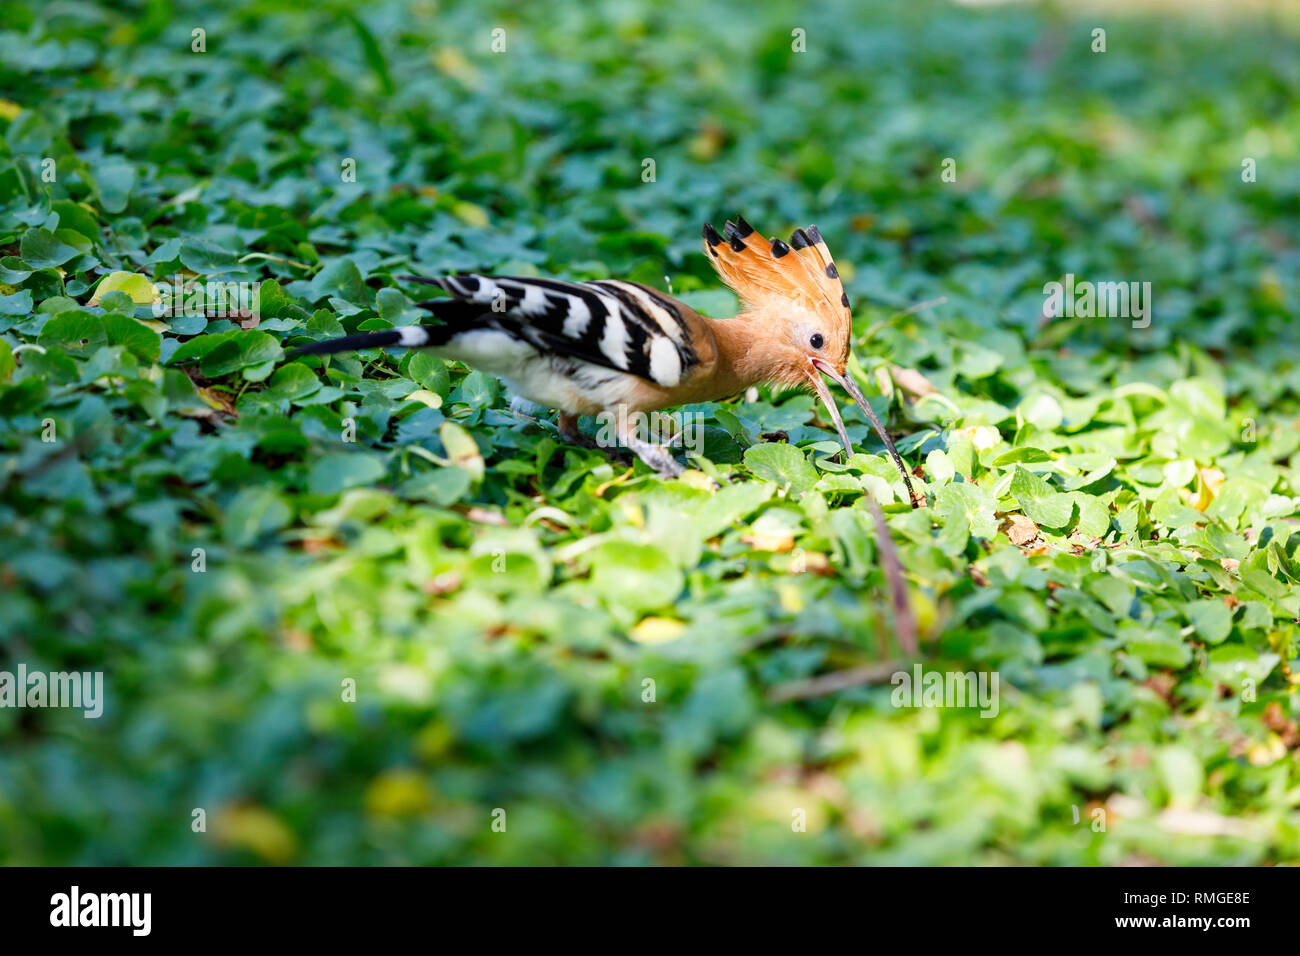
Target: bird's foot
pixel 567 425
pixel 658 457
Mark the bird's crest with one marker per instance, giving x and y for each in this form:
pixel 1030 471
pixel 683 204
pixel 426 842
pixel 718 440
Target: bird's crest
pixel 760 270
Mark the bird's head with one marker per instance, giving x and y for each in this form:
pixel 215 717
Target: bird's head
pixel 801 316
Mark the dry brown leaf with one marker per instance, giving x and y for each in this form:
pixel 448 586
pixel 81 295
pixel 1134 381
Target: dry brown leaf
pixel 1277 722
pixel 911 381
pixel 217 401
pixel 812 562
pixel 440 584
pixel 1163 686
pixel 483 516
pixel 1019 529
pixel 297 640
pixel 768 542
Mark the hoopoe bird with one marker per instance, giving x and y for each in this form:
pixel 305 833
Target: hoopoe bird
pixel 587 348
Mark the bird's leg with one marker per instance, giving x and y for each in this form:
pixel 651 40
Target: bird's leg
pixel 568 425
pixel 568 428
pixel 658 457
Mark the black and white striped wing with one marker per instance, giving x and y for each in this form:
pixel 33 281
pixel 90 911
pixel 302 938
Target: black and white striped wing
pixel 623 326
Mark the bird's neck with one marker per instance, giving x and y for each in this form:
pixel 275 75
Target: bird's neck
pixel 743 354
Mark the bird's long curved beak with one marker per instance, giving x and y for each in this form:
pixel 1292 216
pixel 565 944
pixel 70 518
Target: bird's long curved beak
pixel 824 393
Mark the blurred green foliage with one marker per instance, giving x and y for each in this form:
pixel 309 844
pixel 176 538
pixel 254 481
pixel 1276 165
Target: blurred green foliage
pixel 500 614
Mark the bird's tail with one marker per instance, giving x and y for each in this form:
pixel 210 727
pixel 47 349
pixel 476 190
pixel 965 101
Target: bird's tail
pixel 409 337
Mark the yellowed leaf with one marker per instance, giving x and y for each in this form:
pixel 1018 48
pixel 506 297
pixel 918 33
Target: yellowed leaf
pixel 695 478
pixel 398 793
pixel 471 214
pixel 708 142
pixel 791 598
pixel 631 510
pixel 434 739
pixel 657 630
pixel 426 397
pixel 613 482
pixel 450 61
pixel 257 830
pixel 218 401
pixel 767 541
pixel 1208 482
pixel 138 287
pixel 811 562
pixel 1270 285
pixel 462 449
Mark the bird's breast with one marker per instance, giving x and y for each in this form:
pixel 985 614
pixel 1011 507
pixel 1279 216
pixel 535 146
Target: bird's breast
pixel 550 380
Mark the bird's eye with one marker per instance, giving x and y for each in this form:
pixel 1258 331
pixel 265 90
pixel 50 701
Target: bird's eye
pixel 816 341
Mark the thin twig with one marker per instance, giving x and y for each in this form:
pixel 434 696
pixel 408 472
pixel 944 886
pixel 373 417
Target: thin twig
pixel 919 306
pixel 904 620
pixel 835 681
